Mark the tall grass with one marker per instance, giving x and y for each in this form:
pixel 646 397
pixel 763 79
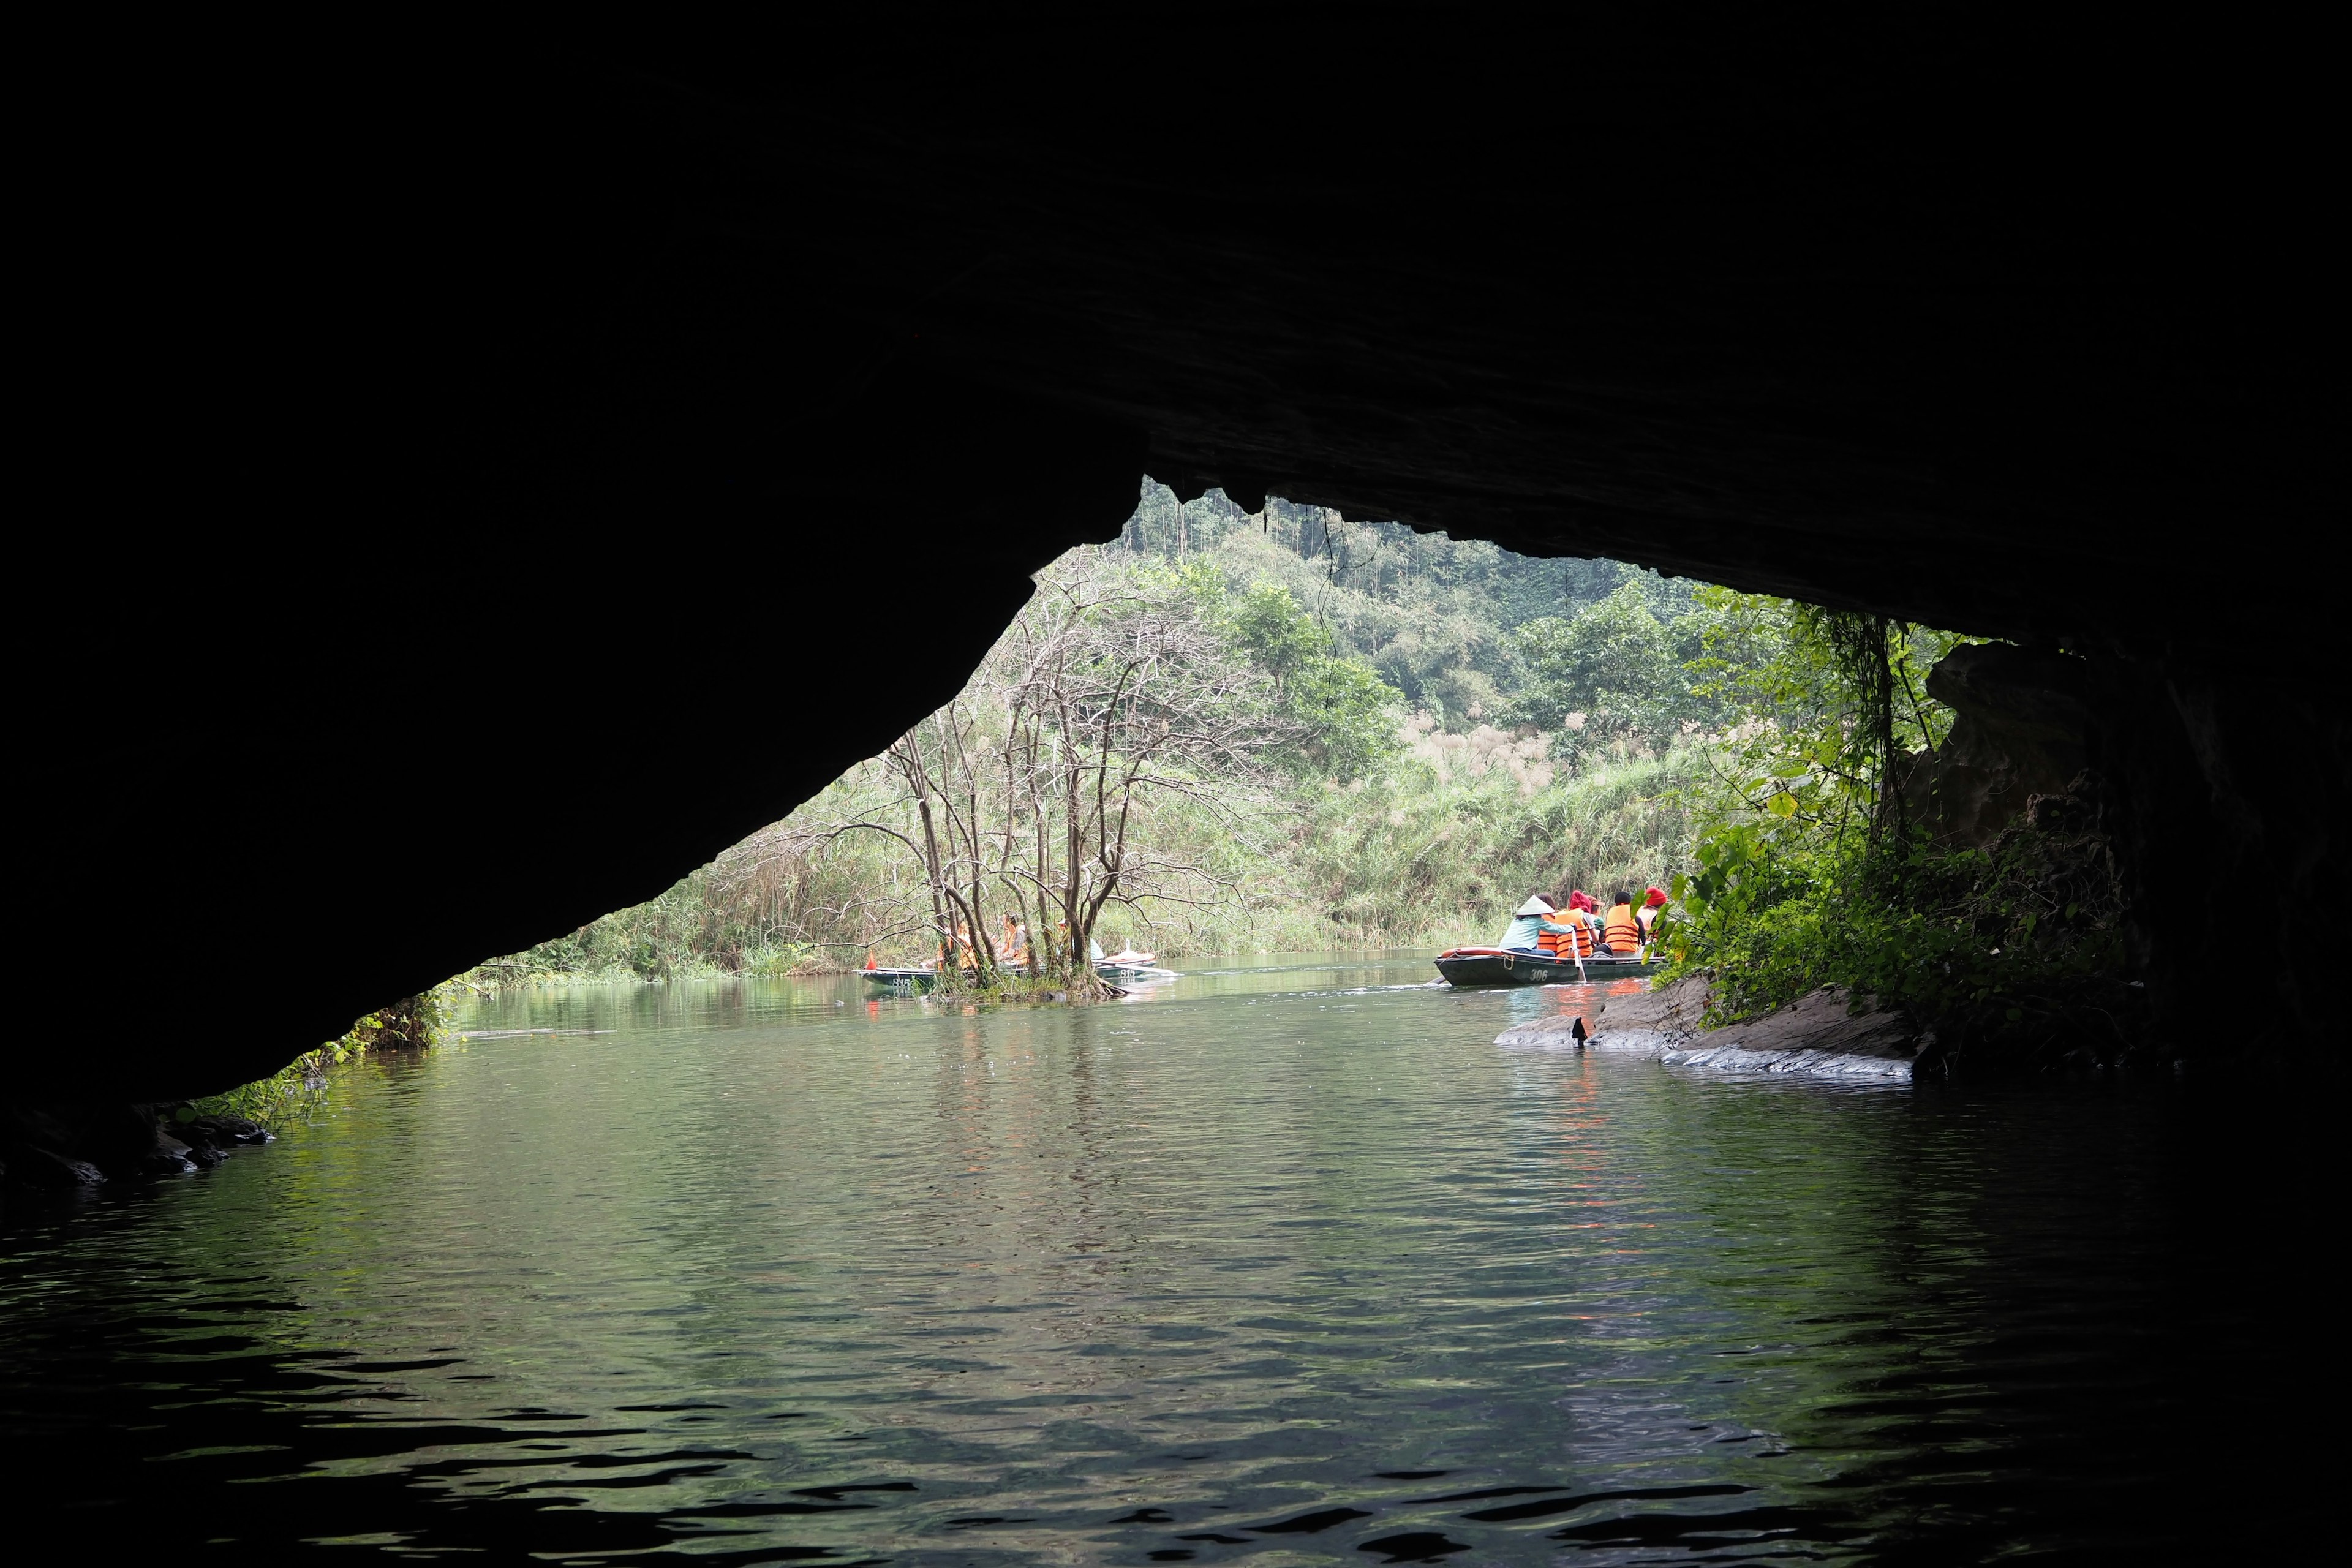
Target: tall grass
pixel 1415 859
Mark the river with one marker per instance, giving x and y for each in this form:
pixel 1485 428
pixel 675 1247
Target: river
pixel 1285 1260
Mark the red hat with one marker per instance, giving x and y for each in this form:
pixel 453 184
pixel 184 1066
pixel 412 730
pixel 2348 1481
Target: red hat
pixel 1581 899
pixel 1653 898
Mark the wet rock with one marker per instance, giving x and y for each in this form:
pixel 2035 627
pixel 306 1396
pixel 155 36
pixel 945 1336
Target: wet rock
pixel 219 1131
pixel 1823 1020
pixel 1652 1020
pixel 167 1157
pixel 61 1145
pixel 47 1171
pixel 127 1141
pixel 1818 1034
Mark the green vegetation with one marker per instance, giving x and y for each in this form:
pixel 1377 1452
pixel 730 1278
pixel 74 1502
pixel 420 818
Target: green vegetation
pixel 748 921
pixel 296 1090
pixel 1813 868
pixel 1283 731
pixel 1318 733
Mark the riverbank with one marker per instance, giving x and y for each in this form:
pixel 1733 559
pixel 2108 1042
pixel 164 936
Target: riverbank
pixel 1829 1033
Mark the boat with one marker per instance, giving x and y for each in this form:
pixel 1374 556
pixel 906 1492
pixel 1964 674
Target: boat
pixel 1134 972
pixel 1504 966
pixel 901 979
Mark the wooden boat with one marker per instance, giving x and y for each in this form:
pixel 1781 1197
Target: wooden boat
pixel 1499 966
pixel 901 979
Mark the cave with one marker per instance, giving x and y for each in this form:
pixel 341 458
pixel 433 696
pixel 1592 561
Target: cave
pixel 519 476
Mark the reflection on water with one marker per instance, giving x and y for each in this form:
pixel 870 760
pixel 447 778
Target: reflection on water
pixel 1281 1257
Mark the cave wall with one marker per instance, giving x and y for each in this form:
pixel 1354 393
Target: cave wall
pixel 492 480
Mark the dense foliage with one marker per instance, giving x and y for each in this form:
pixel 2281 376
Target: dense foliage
pixel 1810 869
pixel 299 1088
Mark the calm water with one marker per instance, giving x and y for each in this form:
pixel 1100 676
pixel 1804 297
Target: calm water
pixel 1285 1261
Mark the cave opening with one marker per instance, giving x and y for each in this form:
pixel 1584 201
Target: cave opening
pixel 448 440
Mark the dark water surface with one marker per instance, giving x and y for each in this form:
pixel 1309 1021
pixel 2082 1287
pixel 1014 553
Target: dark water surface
pixel 1283 1262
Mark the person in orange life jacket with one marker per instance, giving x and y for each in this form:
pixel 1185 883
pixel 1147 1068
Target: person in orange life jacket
pixel 1529 926
pixel 960 945
pixel 1619 929
pixel 1653 904
pixel 1577 933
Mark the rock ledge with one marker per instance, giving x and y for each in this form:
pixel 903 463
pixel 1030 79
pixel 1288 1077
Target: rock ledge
pixel 1817 1035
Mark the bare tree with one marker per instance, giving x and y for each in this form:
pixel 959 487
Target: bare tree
pixel 1119 690
pixel 1028 797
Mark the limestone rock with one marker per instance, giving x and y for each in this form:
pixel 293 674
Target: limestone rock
pixel 2019 732
pixel 1818 1034
pixel 74 1144
pixel 1822 1021
pixel 221 1131
pixel 1661 1019
pixel 32 1166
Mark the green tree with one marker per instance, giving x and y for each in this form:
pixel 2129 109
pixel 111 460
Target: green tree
pixel 1345 714
pixel 1349 714
pixel 1614 664
pixel 1267 623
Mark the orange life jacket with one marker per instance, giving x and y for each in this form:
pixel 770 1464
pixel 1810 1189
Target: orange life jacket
pixel 1621 930
pixel 1574 943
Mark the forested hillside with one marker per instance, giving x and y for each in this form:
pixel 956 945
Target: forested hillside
pixel 1231 732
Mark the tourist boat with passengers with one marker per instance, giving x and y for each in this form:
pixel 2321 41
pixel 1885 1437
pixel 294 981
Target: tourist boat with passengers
pixel 1515 966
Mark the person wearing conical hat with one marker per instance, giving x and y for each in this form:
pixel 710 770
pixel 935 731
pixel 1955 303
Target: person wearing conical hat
pixel 1527 925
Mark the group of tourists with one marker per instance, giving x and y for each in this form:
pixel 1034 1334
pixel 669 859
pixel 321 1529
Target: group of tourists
pixel 1010 951
pixel 1580 929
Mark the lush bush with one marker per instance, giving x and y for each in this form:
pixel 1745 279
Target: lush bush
pixel 2012 953
pixel 296 1090
pixel 1809 873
